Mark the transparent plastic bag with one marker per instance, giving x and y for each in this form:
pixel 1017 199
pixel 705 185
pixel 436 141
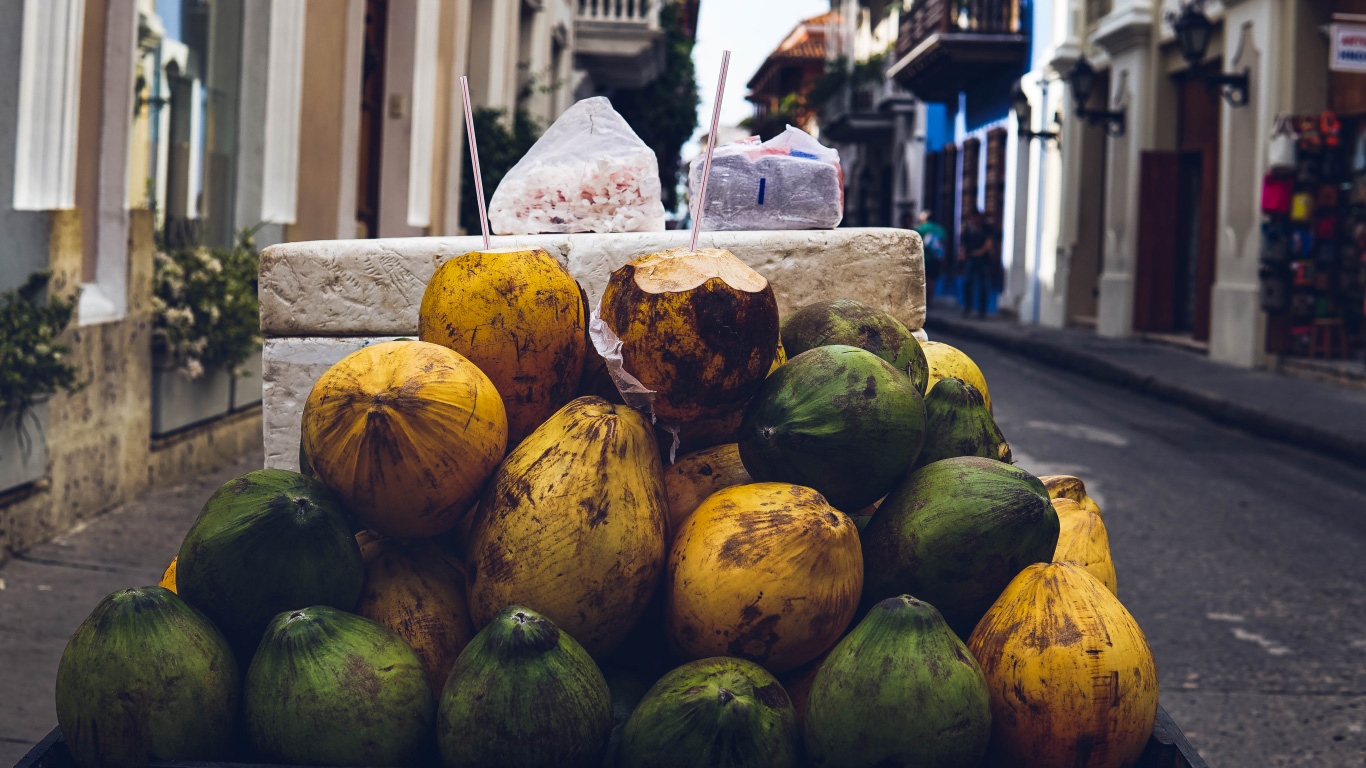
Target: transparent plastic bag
pixel 790 181
pixel 589 172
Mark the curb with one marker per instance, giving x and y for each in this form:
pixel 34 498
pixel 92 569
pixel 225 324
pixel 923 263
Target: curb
pixel 1217 409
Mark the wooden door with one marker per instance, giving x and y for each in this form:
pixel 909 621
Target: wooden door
pixel 1154 263
pixel 1199 136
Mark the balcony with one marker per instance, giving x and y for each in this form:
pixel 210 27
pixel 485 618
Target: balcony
pixel 619 42
pixel 862 111
pixel 945 46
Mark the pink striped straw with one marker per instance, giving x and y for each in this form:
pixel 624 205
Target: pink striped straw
pixel 711 144
pixel 474 160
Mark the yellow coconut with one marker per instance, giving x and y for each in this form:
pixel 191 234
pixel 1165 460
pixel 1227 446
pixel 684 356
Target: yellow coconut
pixel 1071 675
pixel 768 572
pixel 518 315
pixel 700 329
pixel 405 433
pixel 168 577
pixel 1069 487
pixel 779 357
pixel 690 480
pixel 414 588
pixel 1082 540
pixel 947 362
pixel 573 524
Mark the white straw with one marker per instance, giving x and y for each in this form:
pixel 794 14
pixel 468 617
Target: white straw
pixel 474 160
pixel 711 143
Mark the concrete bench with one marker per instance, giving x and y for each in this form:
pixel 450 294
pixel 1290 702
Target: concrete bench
pixel 322 300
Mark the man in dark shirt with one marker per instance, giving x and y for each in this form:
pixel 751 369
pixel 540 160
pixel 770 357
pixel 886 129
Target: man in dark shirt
pixel 974 251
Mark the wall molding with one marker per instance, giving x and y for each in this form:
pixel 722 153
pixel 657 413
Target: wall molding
pixel 284 99
pixel 423 134
pixel 49 105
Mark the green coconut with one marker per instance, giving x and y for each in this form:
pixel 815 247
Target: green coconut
pixel 266 542
pixel 958 423
pixel 954 533
pixel 720 712
pixel 899 690
pixel 524 693
pixel 146 677
pixel 853 323
pixel 837 419
pixel 327 687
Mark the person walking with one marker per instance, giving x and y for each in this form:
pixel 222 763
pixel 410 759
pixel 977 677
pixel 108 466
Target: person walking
pixel 932 238
pixel 974 252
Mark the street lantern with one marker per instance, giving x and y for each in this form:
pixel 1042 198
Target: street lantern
pixel 1019 102
pixel 1193 32
pixel 1082 80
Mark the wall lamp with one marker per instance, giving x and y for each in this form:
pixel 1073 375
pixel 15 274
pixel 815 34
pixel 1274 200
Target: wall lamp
pixel 1019 101
pixel 1193 32
pixel 1082 80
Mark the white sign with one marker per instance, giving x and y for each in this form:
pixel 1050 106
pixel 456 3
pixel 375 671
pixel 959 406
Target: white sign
pixel 1349 48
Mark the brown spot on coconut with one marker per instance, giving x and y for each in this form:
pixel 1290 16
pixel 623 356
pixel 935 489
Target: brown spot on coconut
pixel 699 328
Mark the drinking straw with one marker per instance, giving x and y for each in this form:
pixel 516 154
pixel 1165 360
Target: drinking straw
pixel 711 144
pixel 474 160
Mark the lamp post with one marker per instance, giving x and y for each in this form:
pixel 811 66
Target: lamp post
pixel 1082 80
pixel 1193 32
pixel 1019 102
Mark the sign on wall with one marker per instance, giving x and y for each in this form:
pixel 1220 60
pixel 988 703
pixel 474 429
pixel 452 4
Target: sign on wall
pixel 1349 48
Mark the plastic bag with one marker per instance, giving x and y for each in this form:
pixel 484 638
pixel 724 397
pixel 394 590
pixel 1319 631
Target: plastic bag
pixel 791 181
pixel 589 172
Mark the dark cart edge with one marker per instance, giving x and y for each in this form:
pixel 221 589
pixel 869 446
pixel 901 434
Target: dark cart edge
pixel 1167 748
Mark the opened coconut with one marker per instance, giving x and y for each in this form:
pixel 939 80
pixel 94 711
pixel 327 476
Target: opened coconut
pixel 698 328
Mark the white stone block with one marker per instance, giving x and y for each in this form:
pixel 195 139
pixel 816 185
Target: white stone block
pixel 292 366
pixel 322 300
pixel 374 287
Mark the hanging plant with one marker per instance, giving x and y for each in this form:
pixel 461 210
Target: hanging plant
pixel 33 365
pixel 205 312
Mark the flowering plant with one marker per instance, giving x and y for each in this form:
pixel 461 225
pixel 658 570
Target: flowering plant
pixel 32 364
pixel 205 314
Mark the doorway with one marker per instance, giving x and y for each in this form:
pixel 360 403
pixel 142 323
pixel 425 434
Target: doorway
pixel 1178 214
pixel 371 141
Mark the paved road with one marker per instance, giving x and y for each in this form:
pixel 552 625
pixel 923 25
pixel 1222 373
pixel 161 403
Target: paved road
pixel 1243 560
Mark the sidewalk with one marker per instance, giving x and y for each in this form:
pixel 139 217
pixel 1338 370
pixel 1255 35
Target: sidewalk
pixel 46 593
pixel 1314 415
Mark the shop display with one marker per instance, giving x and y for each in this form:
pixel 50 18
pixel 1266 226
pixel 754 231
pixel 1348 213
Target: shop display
pixel 1313 254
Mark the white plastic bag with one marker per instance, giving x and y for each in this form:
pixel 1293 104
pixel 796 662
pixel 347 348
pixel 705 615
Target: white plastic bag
pixel 589 172
pixel 790 181
pixel 1281 148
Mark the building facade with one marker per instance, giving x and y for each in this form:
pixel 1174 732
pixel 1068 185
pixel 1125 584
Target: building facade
pixel 133 126
pixel 1140 212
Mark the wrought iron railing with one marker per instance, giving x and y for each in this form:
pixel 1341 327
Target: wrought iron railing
pixel 929 17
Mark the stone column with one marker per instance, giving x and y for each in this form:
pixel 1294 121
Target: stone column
pixel 1125 33
pixel 1237 323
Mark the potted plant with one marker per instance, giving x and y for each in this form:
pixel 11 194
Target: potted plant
pixel 205 332
pixel 33 367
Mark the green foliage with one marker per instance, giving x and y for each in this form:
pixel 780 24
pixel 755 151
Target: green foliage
pixel 32 364
pixel 205 312
pixel 828 85
pixel 663 113
pixel 499 150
